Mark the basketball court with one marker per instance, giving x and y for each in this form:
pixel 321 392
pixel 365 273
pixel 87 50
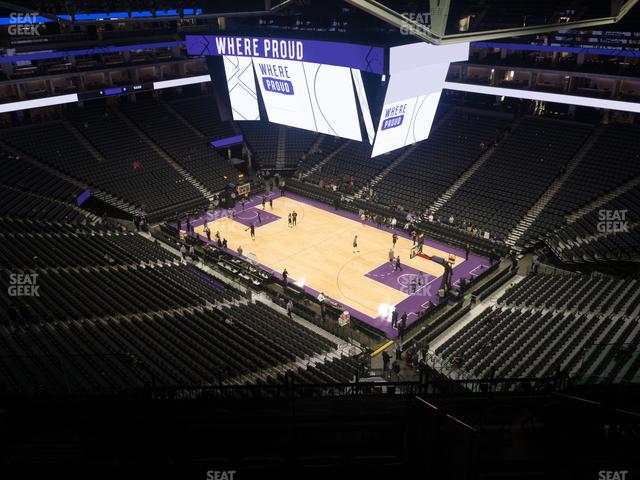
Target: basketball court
pixel 318 254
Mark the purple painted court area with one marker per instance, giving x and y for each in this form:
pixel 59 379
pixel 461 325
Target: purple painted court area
pixel 474 266
pixel 250 215
pixel 399 279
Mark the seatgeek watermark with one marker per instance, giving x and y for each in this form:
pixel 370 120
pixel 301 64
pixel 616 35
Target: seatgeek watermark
pixel 24 24
pixel 412 18
pixel 221 474
pixel 23 285
pixel 415 284
pixel 613 221
pixel 613 475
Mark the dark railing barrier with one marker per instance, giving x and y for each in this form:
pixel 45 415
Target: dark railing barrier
pixel 424 388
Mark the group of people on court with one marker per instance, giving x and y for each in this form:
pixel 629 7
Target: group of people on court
pixel 265 200
pixel 293 219
pixel 400 326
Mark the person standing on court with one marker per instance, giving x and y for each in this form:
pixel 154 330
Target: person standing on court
pixel 394 239
pixel 394 319
pixel 398 266
pixel 294 217
pixel 355 244
pixel 285 275
pixel 271 203
pixel 392 256
pixel 403 323
pixel 264 202
pixel 252 229
pixel 240 251
pixel 207 232
pixel 259 217
pixel 290 220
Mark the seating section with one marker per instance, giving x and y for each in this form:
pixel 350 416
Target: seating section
pixel 352 159
pixel 113 311
pixel 192 152
pixel 262 139
pixel 268 141
pixel 202 113
pixel 153 187
pixel 613 160
pixel 435 164
pixel 336 370
pixel 297 143
pixel 102 355
pixel 77 246
pixel 609 233
pixel 585 325
pixel 29 191
pixel 500 193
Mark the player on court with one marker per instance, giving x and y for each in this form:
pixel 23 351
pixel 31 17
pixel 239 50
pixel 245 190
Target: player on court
pixel 252 229
pixel 394 239
pixel 355 245
pixel 397 266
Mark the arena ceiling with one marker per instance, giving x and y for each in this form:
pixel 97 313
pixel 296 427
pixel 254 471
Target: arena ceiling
pixel 433 21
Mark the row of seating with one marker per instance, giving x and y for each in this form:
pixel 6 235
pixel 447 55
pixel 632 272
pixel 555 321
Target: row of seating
pixel 191 151
pixel 351 167
pixel 106 355
pixel 585 326
pixel 608 233
pixel 81 248
pixel 612 160
pixel 152 185
pixel 202 112
pixel 500 193
pixel 435 164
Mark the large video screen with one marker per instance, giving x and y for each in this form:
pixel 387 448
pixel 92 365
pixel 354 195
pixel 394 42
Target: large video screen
pixel 413 93
pixel 242 88
pixel 409 109
pixel 308 95
pixel 361 93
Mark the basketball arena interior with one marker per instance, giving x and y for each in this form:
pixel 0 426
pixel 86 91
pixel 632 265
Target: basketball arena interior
pixel 320 239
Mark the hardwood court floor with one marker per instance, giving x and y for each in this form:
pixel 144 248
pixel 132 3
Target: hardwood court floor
pixel 318 252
